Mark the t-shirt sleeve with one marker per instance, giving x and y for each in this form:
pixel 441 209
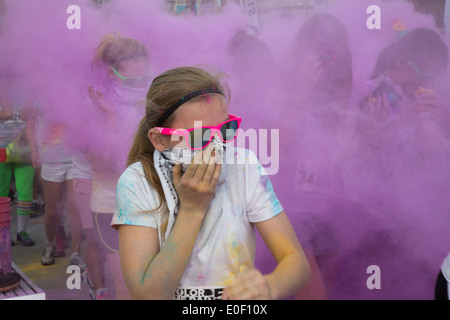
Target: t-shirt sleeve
pixel 262 202
pixel 135 203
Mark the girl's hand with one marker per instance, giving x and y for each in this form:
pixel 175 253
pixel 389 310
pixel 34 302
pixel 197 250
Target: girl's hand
pixel 196 187
pixel 100 101
pixel 35 159
pixel 379 107
pixel 427 105
pixel 248 285
pixel 426 110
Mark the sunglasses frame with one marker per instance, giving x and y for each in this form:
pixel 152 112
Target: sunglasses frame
pixel 420 73
pixel 137 79
pixel 186 132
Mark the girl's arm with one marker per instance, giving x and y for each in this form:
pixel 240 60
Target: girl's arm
pixel 315 288
pixel 6 109
pixel 30 114
pixel 291 273
pixel 151 272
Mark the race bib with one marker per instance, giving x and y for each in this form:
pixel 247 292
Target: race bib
pixel 198 293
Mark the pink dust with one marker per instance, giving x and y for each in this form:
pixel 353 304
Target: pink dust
pixel 348 206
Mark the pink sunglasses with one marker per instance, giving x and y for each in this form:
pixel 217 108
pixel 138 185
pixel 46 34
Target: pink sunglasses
pixel 200 137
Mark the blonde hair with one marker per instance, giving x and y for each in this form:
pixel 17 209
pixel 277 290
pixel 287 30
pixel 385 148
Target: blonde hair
pixel 166 90
pixel 114 48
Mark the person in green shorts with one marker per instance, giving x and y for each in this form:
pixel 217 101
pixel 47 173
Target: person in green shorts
pixel 16 158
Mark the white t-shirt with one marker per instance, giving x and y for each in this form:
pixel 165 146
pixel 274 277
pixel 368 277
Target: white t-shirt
pixel 445 268
pixel 230 247
pixel 12 127
pixel 103 198
pixel 312 183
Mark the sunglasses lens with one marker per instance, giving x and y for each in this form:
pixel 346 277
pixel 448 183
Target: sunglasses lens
pixel 130 82
pixel 229 130
pixel 199 138
pixel 143 81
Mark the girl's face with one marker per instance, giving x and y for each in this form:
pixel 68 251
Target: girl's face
pixel 133 73
pixel 209 111
pixel 407 73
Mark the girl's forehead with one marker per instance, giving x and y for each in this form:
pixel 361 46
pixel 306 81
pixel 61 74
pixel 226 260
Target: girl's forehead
pixel 138 64
pixel 210 110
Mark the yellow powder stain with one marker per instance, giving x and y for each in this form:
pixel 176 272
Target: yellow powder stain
pixel 240 260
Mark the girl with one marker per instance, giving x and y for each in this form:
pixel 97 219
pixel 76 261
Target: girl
pixel 123 67
pixel 317 85
pixel 15 114
pixel 442 286
pixel 403 78
pixel 186 221
pixel 55 159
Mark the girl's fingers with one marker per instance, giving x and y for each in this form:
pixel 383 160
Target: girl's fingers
pixel 202 159
pixel 384 107
pixel 247 285
pixel 426 98
pixel 209 171
pixel 427 104
pixel 91 93
pixel 202 168
pixel 373 101
pixel 195 162
pixel 429 101
pixel 216 175
pixel 176 174
pixel 234 289
pixel 378 105
pixel 99 94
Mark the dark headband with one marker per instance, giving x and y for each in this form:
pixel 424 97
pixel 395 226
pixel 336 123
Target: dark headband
pixel 185 99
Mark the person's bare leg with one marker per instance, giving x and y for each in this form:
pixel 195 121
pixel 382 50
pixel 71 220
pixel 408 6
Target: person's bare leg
pixel 74 218
pixel 95 259
pixel 52 193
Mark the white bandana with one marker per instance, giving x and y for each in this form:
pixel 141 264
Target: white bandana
pixel 164 163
